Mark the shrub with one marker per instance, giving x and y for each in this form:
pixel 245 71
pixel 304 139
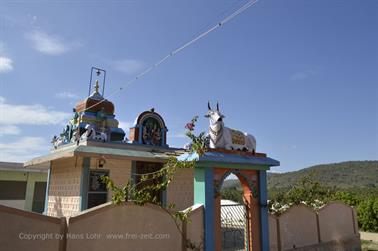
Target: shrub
pixel 368 215
pixel 232 194
pixel 315 195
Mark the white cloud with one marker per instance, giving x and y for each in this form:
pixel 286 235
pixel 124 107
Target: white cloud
pixel 301 75
pixel 125 125
pixel 50 44
pixel 274 171
pixel 129 66
pixel 32 19
pixel 23 149
pixel 11 114
pixel 6 64
pixel 2 47
pixel 178 135
pixel 9 130
pixel 66 95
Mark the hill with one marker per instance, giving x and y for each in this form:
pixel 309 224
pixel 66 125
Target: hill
pixel 351 174
pixel 231 183
pixel 342 175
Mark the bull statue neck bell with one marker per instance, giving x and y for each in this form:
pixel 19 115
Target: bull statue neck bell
pixel 227 138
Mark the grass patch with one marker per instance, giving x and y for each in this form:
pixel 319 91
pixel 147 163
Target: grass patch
pixel 369 245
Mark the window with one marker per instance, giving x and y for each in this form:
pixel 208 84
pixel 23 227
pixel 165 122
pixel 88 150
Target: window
pixel 12 190
pixel 97 192
pixel 39 197
pixel 144 168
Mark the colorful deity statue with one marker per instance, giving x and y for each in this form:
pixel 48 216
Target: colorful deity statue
pixel 149 129
pixel 73 124
pixel 92 116
pixel 101 119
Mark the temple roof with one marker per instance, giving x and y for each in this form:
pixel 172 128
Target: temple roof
pixel 95 102
pixel 223 159
pixel 90 148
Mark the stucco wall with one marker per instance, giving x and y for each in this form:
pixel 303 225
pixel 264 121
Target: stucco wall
pixel 273 234
pixel 298 227
pixel 195 227
pixel 355 225
pixel 20 204
pixel 22 230
pixel 64 187
pixel 131 227
pixel 119 171
pixel 21 174
pixel 353 244
pixel 65 183
pixel 332 228
pixel 123 227
pixel 336 222
pixel 181 190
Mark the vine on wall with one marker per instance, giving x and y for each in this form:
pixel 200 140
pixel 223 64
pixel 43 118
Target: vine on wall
pixel 145 191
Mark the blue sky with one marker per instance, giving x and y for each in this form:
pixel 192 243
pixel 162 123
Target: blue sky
pixel 301 76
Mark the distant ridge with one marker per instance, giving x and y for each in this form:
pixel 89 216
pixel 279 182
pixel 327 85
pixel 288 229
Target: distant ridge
pixel 343 175
pixel 350 174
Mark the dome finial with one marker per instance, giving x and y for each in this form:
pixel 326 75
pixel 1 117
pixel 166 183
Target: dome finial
pixel 97 86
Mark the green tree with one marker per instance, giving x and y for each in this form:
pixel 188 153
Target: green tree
pixel 306 191
pixel 348 198
pixel 232 194
pixel 368 215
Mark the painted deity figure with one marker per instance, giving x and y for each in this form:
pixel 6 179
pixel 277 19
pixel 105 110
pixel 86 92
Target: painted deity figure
pixel 101 119
pixel 73 125
pixel 151 133
pixel 69 131
pixel 156 135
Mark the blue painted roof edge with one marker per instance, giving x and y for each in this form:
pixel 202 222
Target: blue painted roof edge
pixel 228 158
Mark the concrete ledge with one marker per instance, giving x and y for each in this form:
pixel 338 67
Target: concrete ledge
pixel 30 215
pixel 351 244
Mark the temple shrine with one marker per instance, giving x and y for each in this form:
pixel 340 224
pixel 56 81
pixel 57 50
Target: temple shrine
pixel 93 145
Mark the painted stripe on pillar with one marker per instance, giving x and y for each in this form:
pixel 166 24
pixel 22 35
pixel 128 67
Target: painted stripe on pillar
pixel 209 210
pixel 84 182
pixel 199 185
pixel 264 211
pixel 198 189
pixel 47 190
pixel 140 134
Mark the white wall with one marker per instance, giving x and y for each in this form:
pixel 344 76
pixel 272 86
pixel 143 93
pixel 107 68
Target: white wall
pixel 20 204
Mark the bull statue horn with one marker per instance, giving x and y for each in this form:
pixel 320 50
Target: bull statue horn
pixel 217 107
pixel 208 105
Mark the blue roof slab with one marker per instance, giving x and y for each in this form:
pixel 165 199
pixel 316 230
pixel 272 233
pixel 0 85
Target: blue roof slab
pixel 230 160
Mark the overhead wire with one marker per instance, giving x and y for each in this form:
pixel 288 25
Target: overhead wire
pixel 180 48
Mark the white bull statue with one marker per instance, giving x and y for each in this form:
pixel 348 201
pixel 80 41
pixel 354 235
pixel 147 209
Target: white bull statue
pixel 227 138
pixel 91 133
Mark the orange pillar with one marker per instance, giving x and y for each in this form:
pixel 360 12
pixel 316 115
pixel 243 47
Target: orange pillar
pixel 217 220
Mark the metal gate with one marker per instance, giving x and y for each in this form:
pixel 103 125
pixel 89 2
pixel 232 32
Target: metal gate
pixel 234 227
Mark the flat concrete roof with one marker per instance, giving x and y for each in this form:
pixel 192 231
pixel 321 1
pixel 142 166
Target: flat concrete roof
pixel 99 149
pixel 19 167
pixel 211 158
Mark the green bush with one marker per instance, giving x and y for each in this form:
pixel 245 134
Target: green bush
pixel 348 198
pixel 306 191
pixel 368 215
pixel 315 194
pixel 232 194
